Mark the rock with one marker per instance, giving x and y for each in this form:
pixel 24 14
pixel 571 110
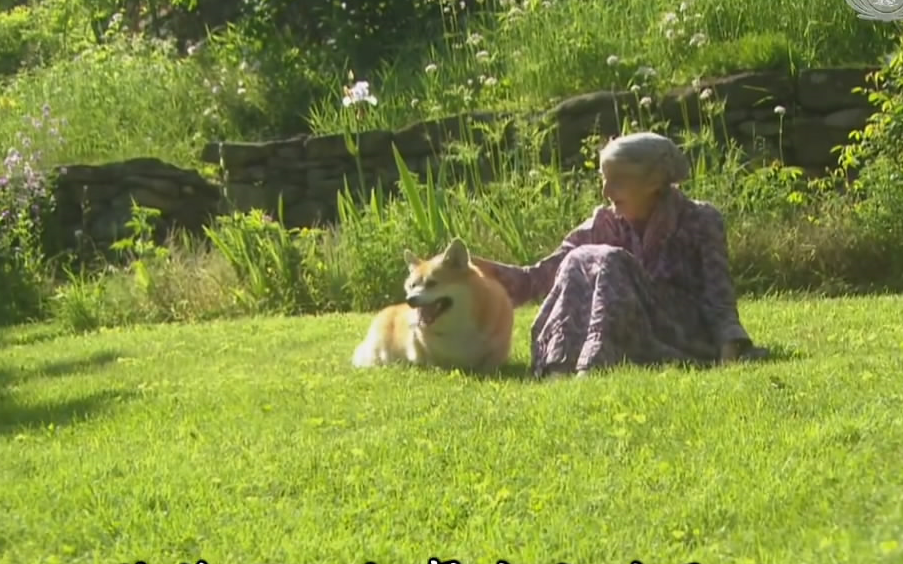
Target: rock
pixel 813 140
pixel 743 91
pixel 850 119
pixel 760 128
pixel 367 143
pixel 830 90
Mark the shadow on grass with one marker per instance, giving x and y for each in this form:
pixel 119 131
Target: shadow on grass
pixel 16 418
pixel 519 370
pixel 28 335
pixel 9 376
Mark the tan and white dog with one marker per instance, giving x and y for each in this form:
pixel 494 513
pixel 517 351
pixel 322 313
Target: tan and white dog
pixel 454 316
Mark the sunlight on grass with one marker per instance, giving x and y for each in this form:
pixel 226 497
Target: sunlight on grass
pixel 254 441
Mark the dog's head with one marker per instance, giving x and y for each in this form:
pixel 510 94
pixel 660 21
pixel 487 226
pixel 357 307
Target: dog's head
pixel 436 285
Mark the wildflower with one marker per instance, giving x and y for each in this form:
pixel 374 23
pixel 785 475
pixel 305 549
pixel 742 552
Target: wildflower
pixel 698 40
pixel 669 34
pixel 431 68
pixel 415 102
pixel 780 110
pixel 705 94
pixel 646 72
pixel 358 93
pixel 645 101
pixel 474 39
pixel 696 83
pixel 490 81
pixel 684 6
pixel 482 56
pixel 635 88
pixel 612 60
pixel 669 19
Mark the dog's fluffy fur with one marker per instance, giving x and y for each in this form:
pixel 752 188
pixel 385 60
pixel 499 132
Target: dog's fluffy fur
pixel 454 316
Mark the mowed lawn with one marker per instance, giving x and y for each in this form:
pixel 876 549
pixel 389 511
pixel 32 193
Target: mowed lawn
pixel 254 441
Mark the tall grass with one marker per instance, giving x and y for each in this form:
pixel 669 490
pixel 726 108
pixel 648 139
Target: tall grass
pixel 530 54
pixel 124 97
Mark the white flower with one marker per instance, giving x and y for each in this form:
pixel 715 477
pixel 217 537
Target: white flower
pixel 698 40
pixel 490 81
pixel 646 72
pixel 669 19
pixel 705 94
pixel 358 93
pixel 669 34
pixel 780 110
pixel 474 39
pixel 646 101
pixel 612 60
pixel 635 88
pixel 431 68
pixel 696 83
pixel 684 6
pixel 482 56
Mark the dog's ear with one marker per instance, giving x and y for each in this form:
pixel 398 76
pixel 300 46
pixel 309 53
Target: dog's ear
pixel 411 259
pixel 456 255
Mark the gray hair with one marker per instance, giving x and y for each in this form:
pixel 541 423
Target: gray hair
pixel 649 152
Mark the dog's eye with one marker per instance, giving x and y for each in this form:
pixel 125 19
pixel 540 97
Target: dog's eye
pixel 429 283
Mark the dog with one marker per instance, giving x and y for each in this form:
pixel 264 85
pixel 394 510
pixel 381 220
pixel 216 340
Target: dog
pixel 454 316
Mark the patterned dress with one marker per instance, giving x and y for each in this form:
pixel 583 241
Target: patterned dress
pixel 612 294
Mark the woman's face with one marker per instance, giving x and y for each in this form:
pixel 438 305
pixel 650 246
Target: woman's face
pixel 631 191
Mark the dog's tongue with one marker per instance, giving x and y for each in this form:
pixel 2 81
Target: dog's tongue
pixel 428 313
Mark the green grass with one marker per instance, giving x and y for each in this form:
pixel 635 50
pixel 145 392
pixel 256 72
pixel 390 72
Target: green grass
pixel 254 441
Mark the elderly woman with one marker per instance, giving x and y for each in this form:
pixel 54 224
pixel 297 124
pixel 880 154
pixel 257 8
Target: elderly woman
pixel 644 280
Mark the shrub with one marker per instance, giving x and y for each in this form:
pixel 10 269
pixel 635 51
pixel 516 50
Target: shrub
pixel 26 211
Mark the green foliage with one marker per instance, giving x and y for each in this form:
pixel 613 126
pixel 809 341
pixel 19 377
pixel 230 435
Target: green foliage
pixel 875 154
pixel 127 95
pixel 27 207
pixel 275 267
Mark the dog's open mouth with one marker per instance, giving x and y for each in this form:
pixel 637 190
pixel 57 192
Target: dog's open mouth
pixel 430 313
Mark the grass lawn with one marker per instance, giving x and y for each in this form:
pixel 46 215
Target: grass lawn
pixel 254 441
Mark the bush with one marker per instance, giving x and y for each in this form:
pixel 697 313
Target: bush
pixel 26 213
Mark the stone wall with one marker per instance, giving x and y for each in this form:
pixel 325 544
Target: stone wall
pixel 94 202
pixel 307 171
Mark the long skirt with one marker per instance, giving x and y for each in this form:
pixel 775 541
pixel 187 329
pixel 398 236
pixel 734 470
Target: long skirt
pixel 603 309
